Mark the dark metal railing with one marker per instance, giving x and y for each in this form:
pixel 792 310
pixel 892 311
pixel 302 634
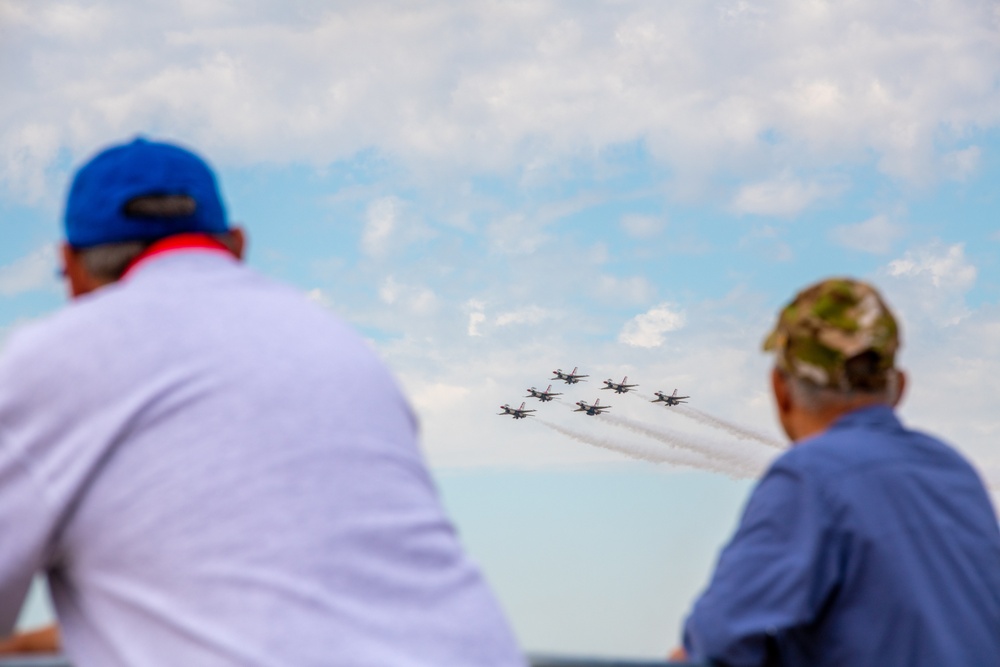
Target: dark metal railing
pixel 568 661
pixel 34 661
pixel 535 660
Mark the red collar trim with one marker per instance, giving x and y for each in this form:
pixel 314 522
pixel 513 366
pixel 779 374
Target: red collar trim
pixel 178 243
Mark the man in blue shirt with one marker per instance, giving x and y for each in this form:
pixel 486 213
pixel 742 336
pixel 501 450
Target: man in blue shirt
pixel 867 543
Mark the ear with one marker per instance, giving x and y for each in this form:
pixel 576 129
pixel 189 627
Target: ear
pixel 789 413
pixel 80 280
pixel 239 238
pixel 782 395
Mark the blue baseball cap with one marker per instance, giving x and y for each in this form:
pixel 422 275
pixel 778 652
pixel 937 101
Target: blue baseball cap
pixel 99 208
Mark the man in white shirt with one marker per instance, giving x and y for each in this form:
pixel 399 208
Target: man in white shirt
pixel 211 469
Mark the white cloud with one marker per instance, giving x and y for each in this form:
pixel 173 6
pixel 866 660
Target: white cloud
pixel 929 285
pixel 380 224
pixel 962 164
pixel 516 235
pixel 781 197
pixel 529 315
pixel 431 396
pixel 642 226
pixel 801 84
pixel 475 320
pixel 954 380
pixel 36 271
pixel 740 10
pixel 320 297
pixel 390 226
pixel 648 329
pixel 944 267
pixel 477 316
pixel 413 298
pixel 875 235
pixel 28 153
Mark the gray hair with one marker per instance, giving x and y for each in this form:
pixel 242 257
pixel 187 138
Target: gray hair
pixel 813 398
pixel 107 262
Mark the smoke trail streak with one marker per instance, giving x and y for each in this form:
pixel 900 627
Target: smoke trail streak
pixel 735 430
pixel 690 459
pixel 751 462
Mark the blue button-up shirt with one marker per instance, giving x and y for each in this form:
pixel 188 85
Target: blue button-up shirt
pixel 869 544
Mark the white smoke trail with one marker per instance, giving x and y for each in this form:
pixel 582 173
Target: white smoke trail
pixel 691 459
pixel 735 430
pixel 750 462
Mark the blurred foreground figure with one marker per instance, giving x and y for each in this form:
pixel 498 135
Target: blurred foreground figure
pixel 211 469
pixel 867 544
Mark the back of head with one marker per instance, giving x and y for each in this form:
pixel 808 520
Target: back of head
pixel 142 191
pixel 837 335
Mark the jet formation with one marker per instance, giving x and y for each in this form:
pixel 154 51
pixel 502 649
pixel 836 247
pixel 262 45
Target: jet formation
pixel 573 377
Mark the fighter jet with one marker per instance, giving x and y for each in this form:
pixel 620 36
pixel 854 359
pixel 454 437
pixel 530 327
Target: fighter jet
pixel 619 387
pixel 673 399
pixel 592 410
pixel 543 396
pixel 568 378
pixel 516 413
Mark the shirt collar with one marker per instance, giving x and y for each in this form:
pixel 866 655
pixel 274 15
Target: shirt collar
pixel 192 242
pixel 879 416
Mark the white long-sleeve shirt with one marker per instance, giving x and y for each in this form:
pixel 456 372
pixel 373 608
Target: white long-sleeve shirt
pixel 214 471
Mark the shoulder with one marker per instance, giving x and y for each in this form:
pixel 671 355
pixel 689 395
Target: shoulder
pixel 871 455
pixel 52 335
pixel 874 438
pixel 822 462
pixel 41 362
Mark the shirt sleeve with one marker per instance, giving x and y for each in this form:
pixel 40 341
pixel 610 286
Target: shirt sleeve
pixel 774 575
pixel 21 534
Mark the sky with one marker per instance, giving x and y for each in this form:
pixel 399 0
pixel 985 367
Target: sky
pixel 492 190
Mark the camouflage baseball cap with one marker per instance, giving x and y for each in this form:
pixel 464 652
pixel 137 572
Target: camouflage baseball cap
pixel 837 334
